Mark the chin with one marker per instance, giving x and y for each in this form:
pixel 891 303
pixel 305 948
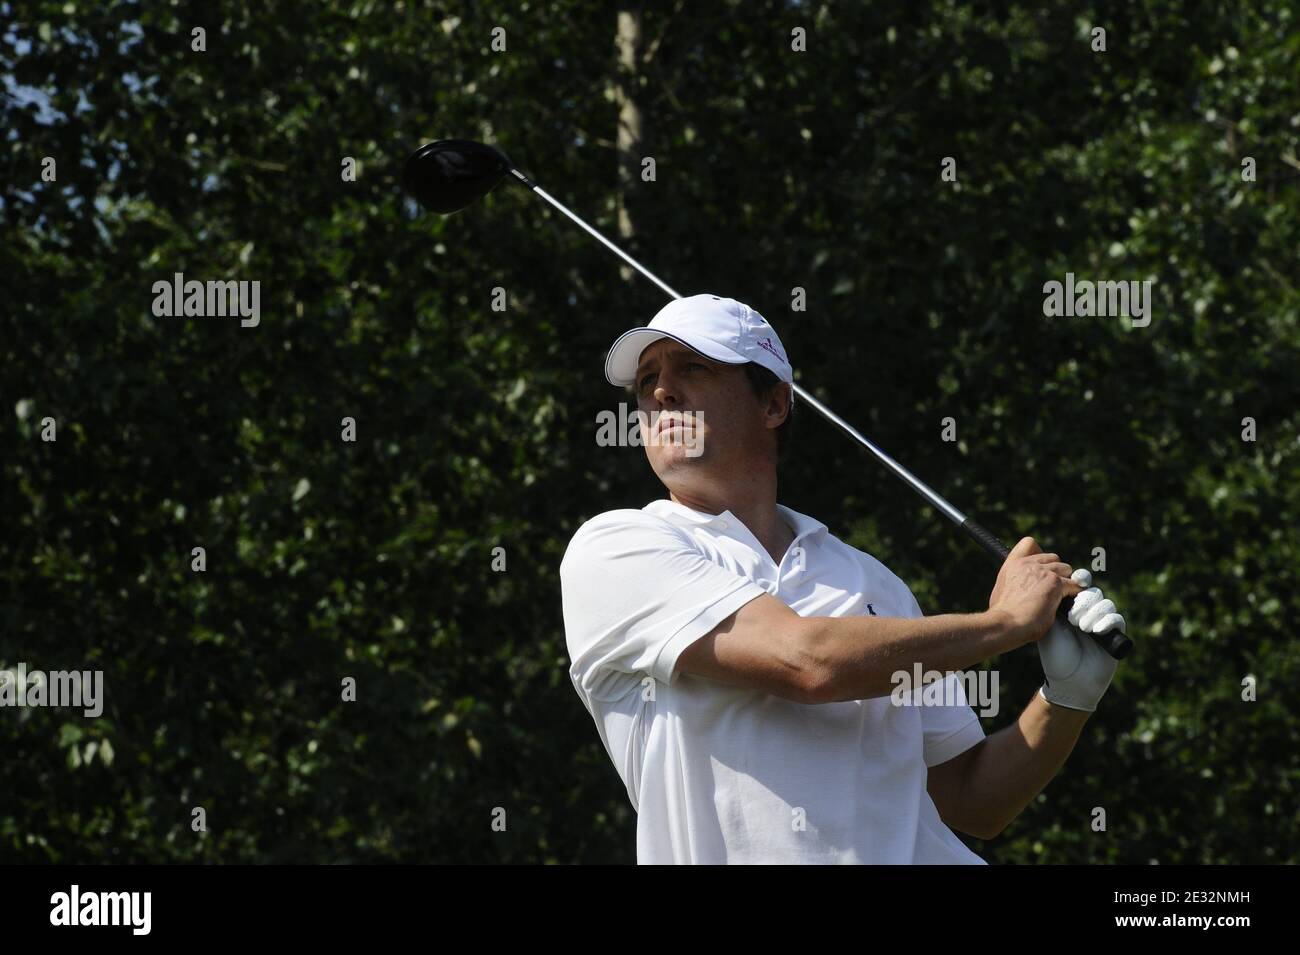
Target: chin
pixel 676 458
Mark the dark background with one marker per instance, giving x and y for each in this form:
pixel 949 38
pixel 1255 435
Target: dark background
pixel 476 429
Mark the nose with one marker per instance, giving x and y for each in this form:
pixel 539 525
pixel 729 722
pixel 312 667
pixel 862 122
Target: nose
pixel 666 391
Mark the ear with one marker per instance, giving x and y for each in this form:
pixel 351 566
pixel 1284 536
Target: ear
pixel 778 405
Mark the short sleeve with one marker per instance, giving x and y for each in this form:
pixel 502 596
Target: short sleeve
pixel 948 729
pixel 636 592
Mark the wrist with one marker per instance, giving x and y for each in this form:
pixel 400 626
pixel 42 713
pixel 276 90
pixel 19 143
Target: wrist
pixel 1056 702
pixel 1010 632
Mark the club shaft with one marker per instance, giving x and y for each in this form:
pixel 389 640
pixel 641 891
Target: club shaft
pixel 593 233
pixel 914 482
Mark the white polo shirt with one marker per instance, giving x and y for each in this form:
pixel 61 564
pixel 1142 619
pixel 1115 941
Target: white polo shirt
pixel 719 774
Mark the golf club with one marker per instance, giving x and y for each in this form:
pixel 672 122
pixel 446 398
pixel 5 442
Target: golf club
pixel 447 175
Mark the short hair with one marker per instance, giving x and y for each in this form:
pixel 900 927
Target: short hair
pixel 764 382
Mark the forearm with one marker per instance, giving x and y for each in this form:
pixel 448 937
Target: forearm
pixel 1015 764
pixel 857 657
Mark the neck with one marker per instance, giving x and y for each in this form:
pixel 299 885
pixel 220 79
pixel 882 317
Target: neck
pixel 753 504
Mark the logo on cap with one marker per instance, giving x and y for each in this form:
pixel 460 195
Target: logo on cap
pixel 766 344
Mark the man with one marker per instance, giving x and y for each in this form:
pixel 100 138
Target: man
pixel 738 659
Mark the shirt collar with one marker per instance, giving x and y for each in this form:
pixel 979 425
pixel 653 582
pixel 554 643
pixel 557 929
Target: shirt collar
pixel 801 524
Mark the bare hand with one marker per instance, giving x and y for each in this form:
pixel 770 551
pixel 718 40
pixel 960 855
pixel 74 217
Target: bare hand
pixel 1029 587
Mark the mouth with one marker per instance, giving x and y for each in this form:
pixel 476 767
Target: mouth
pixel 669 421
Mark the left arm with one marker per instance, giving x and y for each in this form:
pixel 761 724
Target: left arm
pixel 981 790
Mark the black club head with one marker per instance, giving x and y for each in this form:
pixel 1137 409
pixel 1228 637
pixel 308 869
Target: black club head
pixel 447 175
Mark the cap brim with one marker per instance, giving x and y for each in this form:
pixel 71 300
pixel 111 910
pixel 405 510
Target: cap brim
pixel 625 355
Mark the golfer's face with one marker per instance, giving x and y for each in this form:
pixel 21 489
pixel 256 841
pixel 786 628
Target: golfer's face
pixel 695 411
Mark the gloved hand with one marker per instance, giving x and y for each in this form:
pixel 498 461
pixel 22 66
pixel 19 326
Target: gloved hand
pixel 1077 670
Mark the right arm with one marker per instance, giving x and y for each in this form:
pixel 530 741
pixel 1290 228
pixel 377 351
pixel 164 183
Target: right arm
pixel 767 646
pixel 855 658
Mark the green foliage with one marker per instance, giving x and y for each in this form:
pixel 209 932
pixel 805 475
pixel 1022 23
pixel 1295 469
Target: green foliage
pixel 372 559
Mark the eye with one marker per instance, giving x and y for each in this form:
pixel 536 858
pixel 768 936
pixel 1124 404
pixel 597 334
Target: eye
pixel 696 364
pixel 646 381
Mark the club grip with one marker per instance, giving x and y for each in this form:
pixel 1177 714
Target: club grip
pixel 981 536
pixel 1115 642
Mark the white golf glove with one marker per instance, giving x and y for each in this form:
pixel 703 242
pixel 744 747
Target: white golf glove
pixel 1077 670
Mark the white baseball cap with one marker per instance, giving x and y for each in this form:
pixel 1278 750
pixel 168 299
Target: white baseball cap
pixel 716 327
